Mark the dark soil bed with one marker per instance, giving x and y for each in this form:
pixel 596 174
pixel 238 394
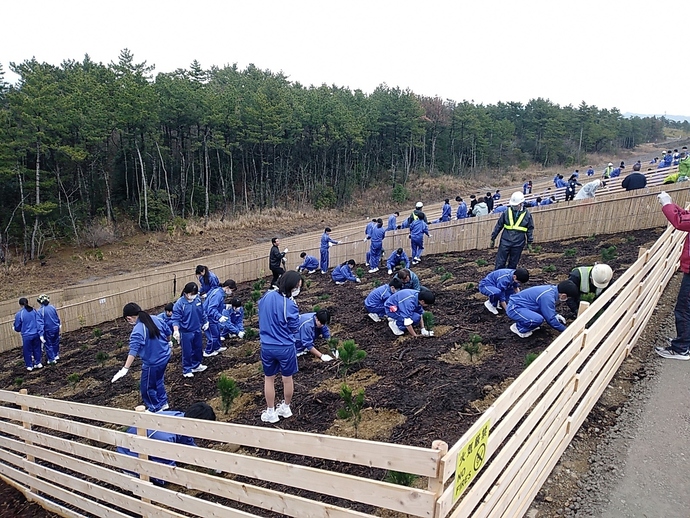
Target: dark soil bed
pixel 417 390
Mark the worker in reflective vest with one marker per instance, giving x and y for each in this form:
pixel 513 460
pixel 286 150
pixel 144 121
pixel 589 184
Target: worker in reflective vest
pixel 589 279
pixel 517 226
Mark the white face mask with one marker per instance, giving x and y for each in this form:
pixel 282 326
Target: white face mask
pixel 189 296
pixel 295 292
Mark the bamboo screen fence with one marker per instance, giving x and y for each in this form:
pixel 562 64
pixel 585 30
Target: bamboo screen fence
pixel 61 454
pixel 92 303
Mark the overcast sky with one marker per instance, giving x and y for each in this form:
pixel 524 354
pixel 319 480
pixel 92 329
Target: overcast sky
pixel 608 53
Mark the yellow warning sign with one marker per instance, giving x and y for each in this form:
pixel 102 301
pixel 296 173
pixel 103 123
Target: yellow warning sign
pixel 470 460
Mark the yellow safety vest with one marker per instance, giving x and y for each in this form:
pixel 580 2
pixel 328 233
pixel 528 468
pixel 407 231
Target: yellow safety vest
pixel 515 225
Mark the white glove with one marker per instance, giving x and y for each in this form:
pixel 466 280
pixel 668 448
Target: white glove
pixel 204 295
pixel 170 344
pixel 176 335
pixel 223 319
pixel 43 340
pixel 228 307
pixel 407 322
pixel 664 198
pixel 358 279
pixel 240 334
pixel 60 327
pixel 365 239
pixel 121 373
pixel 336 354
pixel 561 319
pixel 326 358
pixel 205 327
pixel 285 251
pixel 425 332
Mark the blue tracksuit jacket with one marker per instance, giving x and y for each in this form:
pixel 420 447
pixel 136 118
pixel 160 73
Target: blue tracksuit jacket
pixel 499 285
pixel 445 214
pixel 342 273
pixel 392 222
pixel 189 316
pixel 153 351
pixel 404 304
pixel 310 263
pixel 308 332
pixel 462 211
pixel 540 300
pixel 205 287
pixel 394 260
pixel 374 303
pixel 278 320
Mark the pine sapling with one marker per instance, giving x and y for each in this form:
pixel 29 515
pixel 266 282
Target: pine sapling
pixel 249 308
pixel 428 318
pixel 73 379
pixel 352 406
pixel 350 355
pixel 250 333
pixel 228 391
pixel 529 358
pixel 102 357
pixel 400 478
pixel 256 295
pixel 359 272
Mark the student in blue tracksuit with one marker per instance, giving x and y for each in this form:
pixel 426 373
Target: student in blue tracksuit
pixel 214 306
pixel 197 410
pixel 446 211
pixel 405 308
pixel 376 235
pixel 590 171
pixel 27 322
pixel 374 303
pixel 166 315
pixel 531 307
pixel 398 257
pixel 393 221
pixel 497 195
pixel 461 213
pixel 207 280
pixel 149 341
pixel 343 273
pixel 499 285
pixel 367 235
pixel 278 324
pixel 409 279
pixel 309 263
pixel 50 328
pixel 312 325
pixel 188 320
pixel 418 228
pixel 326 243
pixel 234 326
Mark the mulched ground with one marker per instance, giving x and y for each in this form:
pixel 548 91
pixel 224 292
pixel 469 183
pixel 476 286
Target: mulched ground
pixel 438 399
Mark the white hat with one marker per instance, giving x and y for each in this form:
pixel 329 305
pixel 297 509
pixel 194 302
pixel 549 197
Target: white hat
pixel 601 275
pixel 610 164
pixel 516 199
pixel 419 205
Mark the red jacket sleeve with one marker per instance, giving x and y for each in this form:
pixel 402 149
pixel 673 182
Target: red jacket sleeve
pixel 678 217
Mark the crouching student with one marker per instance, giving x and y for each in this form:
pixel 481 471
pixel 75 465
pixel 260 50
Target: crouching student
pixel 197 410
pixel 312 325
pixel 343 273
pixel 234 325
pixel 397 258
pixel 533 306
pixel 166 315
pixel 309 263
pixel 409 279
pixel 405 308
pixel 375 301
pixel 499 285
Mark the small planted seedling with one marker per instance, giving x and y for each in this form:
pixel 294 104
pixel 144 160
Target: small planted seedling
pixel 228 391
pixel 250 333
pixel 102 357
pixel 350 355
pixel 428 318
pixel 359 272
pixel 258 285
pixel 461 259
pixel 529 358
pixel 249 308
pixel 308 283
pixel 256 295
pixel 73 379
pixel 333 344
pixel 18 381
pixel 536 249
pixel 549 268
pixel 470 286
pixel 97 333
pixel 324 296
pixel 588 297
pixel 610 253
pixel 439 270
pixel 399 478
pixel 570 252
pixel 446 277
pixel 481 262
pixel 376 283
pixel 316 308
pixel 472 349
pixel 352 406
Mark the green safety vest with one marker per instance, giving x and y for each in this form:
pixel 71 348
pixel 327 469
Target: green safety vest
pixel 515 225
pixel 584 278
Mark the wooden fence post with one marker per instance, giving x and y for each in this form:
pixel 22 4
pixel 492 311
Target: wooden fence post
pixel 581 309
pixel 143 432
pixel 26 425
pixel 436 483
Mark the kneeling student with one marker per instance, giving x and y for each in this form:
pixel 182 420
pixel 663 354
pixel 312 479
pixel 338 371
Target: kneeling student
pixel 375 301
pixel 499 285
pixel 533 306
pixel 343 273
pixel 312 325
pixel 405 308
pixel 309 263
pixel 399 257
pixel 234 325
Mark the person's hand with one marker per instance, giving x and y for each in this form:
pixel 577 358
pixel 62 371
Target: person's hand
pixel 176 335
pixel 358 279
pixel 205 327
pixel 326 358
pixel 561 319
pixel 529 247
pixel 240 334
pixel 43 340
pixel 664 198
pixel 120 374
pixel 493 243
pixel 366 238
pixel 330 244
pixel 285 251
pixel 170 344
pixel 425 332
pixel 223 319
pixel 407 322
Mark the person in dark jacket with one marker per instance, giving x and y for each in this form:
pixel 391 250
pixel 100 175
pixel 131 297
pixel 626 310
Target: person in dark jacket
pixel 275 260
pixel 570 189
pixel 634 181
pixel 589 279
pixel 518 227
pixel 489 200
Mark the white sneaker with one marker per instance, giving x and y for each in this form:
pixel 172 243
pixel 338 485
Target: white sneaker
pixel 301 353
pixel 29 369
pixel 283 410
pixel 188 375
pixel 270 416
pixel 221 349
pixel 208 355
pixel 340 283
pixel 488 305
pixel 312 271
pixel 374 317
pixel 366 264
pixel 57 357
pixel 374 270
pixel 390 272
pixel 515 330
pixel 222 339
pixel 200 368
pixel 39 365
pixel 394 327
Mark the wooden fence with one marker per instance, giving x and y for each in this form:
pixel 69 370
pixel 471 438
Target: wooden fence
pixel 61 454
